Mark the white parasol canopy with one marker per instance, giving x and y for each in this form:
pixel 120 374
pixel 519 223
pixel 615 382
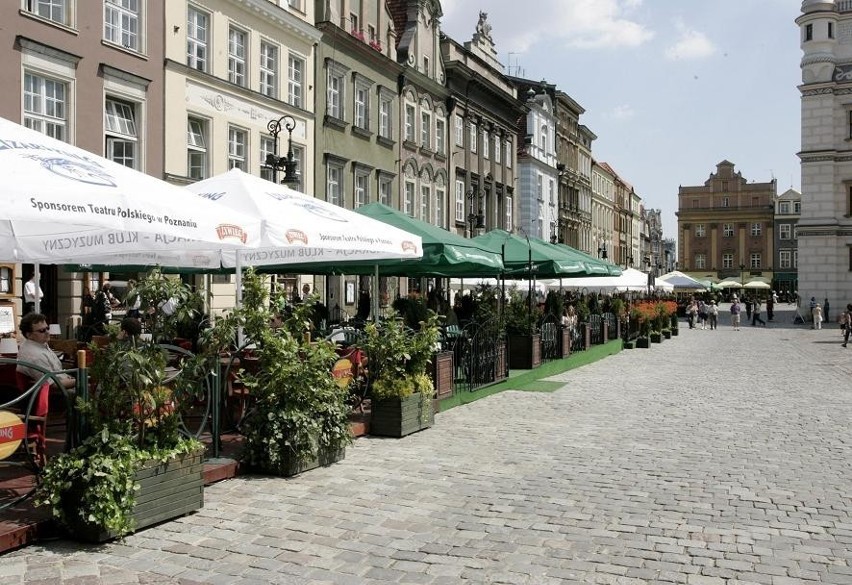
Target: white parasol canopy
pixel 302 229
pixel 630 280
pixel 62 203
pixel 757 284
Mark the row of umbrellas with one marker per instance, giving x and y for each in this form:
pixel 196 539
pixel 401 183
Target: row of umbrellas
pixel 65 205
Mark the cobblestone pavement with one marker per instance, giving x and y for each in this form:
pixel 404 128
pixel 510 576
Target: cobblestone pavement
pixel 716 457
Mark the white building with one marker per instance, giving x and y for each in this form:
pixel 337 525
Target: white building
pixel 538 176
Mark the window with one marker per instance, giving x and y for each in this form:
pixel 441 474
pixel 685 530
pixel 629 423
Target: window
pixel 785 259
pixel 459 131
pixel 699 230
pixel 440 194
pixel 725 202
pixel 408 202
pixel 196 147
pixel 53 10
pixel 197 27
pixel 362 106
pixel 425 200
pixel 784 206
pixel 385 116
pixel 831 30
pixel 459 199
pixel 727 260
pixel 121 23
pixel 497 150
pixel 353 21
pixel 473 134
pixel 544 134
pixel 46 106
pixel 237 41
pixel 509 213
pixel 295 79
pixel 755 260
pixel 486 142
pixel 756 229
pixel 335 94
pixel 425 65
pixel 440 134
pixel 539 182
pixel 695 204
pixel 362 189
pixel 700 261
pixel 784 231
pixel 333 174
pixel 371 33
pixel 795 232
pixel 551 191
pixel 426 130
pixel 409 122
pixel 728 230
pixel 296 4
pixel 385 190
pixel 269 69
pixel 121 133
pixel 795 258
pixel 267 147
pixel 237 148
pixel 797 207
pixel 809 32
pixel 509 154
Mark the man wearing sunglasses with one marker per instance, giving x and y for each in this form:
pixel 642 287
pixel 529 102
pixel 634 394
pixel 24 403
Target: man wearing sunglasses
pixel 34 349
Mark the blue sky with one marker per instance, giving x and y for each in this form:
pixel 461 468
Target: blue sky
pixel 670 87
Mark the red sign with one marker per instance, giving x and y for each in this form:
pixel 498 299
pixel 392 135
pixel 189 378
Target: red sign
pixel 12 432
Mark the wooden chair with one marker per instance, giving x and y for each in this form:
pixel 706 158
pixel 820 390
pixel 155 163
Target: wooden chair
pixel 36 437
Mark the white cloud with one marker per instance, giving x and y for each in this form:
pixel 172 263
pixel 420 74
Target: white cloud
pixel 585 24
pixel 691 44
pixel 621 112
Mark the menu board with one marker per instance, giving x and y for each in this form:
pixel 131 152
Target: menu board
pixel 7 318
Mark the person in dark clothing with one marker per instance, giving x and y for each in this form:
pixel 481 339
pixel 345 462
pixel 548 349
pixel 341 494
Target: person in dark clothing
pixel 847 324
pixel 747 303
pixel 363 306
pixel 825 311
pixel 770 308
pixel 756 314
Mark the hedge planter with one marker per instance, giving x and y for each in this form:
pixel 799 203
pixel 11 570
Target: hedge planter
pixel 291 465
pixel 674 331
pixel 656 337
pixel 524 352
pixel 398 417
pixel 166 491
pixel 667 333
pixel 643 342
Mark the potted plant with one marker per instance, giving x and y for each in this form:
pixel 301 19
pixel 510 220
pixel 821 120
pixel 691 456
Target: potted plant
pixel 133 467
pixel 300 419
pixel 401 387
pixel 521 322
pixel 642 312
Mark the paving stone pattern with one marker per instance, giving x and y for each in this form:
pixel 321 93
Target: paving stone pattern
pixel 718 457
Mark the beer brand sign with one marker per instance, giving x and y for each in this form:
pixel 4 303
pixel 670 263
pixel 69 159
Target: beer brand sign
pixel 12 432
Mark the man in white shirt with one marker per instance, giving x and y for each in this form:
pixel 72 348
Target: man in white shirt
pixel 34 349
pixel 31 289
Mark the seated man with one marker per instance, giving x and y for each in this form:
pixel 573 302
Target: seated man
pixel 34 349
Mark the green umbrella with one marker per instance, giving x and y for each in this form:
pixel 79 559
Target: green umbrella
pixel 596 265
pixel 525 257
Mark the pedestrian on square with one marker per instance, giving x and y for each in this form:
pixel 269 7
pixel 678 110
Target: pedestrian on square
pixel 691 313
pixel 811 306
pixel 825 315
pixel 748 305
pixel 770 307
pixel 735 314
pixel 702 314
pixel 817 316
pixel 846 324
pixel 756 314
pixel 713 315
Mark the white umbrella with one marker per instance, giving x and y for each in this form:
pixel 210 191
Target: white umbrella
pixel 757 284
pixel 63 203
pixel 729 284
pixel 302 229
pixel 630 279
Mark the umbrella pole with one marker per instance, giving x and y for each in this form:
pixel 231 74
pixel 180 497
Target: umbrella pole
pixel 376 293
pixel 238 272
pixel 37 277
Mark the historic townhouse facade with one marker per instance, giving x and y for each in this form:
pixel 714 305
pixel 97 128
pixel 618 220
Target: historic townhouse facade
pixel 231 68
pixel 90 74
pixel 483 112
pixel 423 168
pixel 825 226
pixel 620 252
pixel 726 226
pixel 574 162
pixel 636 232
pixel 655 253
pixel 603 199
pixel 788 209
pixel 358 115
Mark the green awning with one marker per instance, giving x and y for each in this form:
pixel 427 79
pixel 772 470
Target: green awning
pixel 523 257
pixel 596 265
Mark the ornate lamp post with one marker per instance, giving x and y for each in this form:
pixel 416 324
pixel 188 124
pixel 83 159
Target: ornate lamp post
pixel 602 253
pixel 475 220
pixel 275 162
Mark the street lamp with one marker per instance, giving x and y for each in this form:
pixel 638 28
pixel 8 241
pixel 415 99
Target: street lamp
pixel 557 236
pixel 475 220
pixel 742 271
pixel 275 162
pixel 602 251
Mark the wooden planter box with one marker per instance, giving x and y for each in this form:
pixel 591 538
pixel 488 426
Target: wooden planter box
pixel 656 337
pixel 167 490
pixel 292 466
pixel 643 342
pixel 524 351
pixel 442 373
pixel 398 417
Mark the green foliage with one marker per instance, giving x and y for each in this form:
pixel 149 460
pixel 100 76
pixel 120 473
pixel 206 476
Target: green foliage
pixel 554 304
pixel 412 309
pixel 583 311
pixel 95 481
pixel 398 357
pixel 155 291
pixel 519 320
pixel 300 410
pixel 618 307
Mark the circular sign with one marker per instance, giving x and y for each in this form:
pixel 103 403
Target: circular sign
pixel 342 372
pixel 12 432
